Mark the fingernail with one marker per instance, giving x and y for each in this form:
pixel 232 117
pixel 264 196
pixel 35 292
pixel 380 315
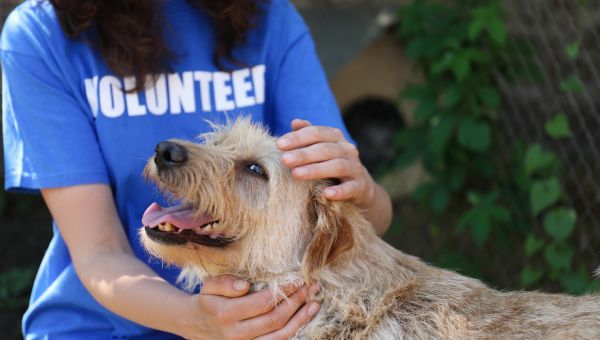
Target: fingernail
pixel 289 157
pixel 301 171
pixel 313 309
pixel 330 192
pixel 284 142
pixel 240 285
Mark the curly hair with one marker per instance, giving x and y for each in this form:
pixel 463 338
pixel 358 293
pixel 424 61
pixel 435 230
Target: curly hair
pixel 128 33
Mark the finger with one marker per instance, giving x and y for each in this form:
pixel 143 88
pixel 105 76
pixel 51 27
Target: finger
pixel 276 318
pixel 303 316
pixel 298 124
pixel 308 136
pixel 256 304
pixel 312 154
pixel 333 168
pixel 225 285
pixel 344 191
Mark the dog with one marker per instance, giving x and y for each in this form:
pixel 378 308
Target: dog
pixel 242 213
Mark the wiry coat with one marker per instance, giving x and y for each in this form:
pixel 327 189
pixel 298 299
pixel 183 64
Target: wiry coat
pixel 286 232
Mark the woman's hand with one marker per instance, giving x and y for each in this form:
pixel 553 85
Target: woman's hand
pixel 222 310
pixel 317 152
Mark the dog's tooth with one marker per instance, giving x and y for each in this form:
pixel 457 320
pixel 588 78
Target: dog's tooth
pixel 161 226
pixel 169 227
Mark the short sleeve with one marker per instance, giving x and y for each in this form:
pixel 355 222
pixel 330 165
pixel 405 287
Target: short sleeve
pixel 49 139
pixel 299 87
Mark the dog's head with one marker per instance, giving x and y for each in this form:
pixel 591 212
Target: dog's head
pixel 239 210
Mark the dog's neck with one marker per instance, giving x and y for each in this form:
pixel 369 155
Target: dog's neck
pixel 370 264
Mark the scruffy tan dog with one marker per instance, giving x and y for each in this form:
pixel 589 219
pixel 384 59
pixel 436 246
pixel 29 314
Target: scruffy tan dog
pixel 242 213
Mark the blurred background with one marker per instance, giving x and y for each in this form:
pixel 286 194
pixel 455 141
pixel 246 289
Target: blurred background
pixel 479 117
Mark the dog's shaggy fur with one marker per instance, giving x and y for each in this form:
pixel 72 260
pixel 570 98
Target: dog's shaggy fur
pixel 285 232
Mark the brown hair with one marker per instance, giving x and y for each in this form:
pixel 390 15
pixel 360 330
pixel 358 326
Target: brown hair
pixel 128 35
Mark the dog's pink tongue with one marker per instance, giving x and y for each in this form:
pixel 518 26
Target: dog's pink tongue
pixel 179 216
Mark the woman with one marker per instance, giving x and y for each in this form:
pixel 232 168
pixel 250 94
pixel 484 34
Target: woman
pixel 91 86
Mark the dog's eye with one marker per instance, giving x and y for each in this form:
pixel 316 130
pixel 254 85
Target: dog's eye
pixel 257 169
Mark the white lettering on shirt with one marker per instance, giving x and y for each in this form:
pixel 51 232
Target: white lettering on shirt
pixel 258 78
pixel 241 87
pixel 91 92
pixel 112 101
pixel 189 91
pixel 133 101
pixel 181 92
pixel 156 95
pixel 222 91
pixel 204 78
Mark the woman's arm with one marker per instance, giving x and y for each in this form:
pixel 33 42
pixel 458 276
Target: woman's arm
pixel 314 152
pixel 89 224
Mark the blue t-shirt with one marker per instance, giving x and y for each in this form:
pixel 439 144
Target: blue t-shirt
pixel 67 122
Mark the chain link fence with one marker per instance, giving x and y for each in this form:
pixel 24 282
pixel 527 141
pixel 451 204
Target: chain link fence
pixel 540 32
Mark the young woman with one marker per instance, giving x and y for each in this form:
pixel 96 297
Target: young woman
pixel 91 86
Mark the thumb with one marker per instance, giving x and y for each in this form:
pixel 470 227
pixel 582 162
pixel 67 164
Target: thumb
pixel 225 285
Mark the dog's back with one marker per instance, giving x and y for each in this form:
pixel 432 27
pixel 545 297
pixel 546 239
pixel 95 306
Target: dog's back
pixel 407 299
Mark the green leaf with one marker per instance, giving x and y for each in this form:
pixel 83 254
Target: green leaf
pixel 543 194
pixel 497 31
pixel 474 135
pixel 461 66
pixel 530 276
pixel 533 245
pixel 489 96
pixel 456 177
pixel 537 159
pixel 575 282
pixel 439 135
pixel 406 158
pixel 423 191
pixel 572 50
pixel 425 109
pixel 558 257
pixel 407 138
pixel 440 199
pixel 571 85
pixel 559 223
pixel 558 126
pixel 593 286
pixel 481 226
pixel 477 55
pixel 14 285
pixel 415 92
pixel 451 96
pixel 499 213
pixel 443 64
pixel 475 28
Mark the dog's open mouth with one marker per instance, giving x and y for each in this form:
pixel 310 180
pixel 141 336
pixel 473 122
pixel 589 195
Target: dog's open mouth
pixel 180 225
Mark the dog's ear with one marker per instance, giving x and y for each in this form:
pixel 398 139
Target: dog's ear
pixel 331 233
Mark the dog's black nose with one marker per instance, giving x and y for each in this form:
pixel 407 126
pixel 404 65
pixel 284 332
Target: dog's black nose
pixel 169 154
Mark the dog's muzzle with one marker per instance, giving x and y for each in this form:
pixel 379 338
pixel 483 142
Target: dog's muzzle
pixel 169 155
